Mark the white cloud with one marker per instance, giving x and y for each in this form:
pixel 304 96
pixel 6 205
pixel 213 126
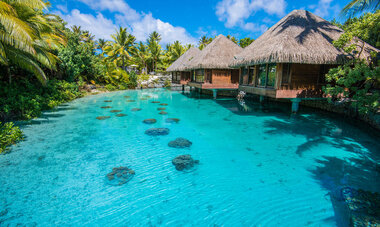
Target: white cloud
pixel 63 8
pixel 208 31
pixel 140 24
pixel 169 33
pixel 324 8
pixel 253 27
pixel 235 12
pixel 98 25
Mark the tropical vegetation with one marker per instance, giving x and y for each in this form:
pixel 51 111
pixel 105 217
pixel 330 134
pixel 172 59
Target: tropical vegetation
pixel 44 63
pixel 357 82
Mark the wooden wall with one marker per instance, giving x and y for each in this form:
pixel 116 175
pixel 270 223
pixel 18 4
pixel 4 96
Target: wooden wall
pixel 235 76
pixel 305 76
pixel 221 76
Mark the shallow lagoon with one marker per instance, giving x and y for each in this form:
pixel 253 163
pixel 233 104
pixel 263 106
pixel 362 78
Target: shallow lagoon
pixel 261 167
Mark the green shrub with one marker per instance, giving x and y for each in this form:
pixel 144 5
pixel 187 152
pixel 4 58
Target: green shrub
pixel 132 79
pixel 167 83
pixel 9 134
pixel 110 87
pixel 24 100
pixel 356 85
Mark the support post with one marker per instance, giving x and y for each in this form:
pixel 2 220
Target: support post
pixel 295 104
pixel 261 98
pixel 183 87
pixel 214 93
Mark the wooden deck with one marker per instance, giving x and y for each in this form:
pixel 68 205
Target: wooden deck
pixel 282 94
pixel 213 86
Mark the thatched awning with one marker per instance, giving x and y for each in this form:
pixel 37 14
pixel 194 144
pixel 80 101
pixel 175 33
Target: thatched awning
pixel 216 55
pixel 299 37
pixel 181 62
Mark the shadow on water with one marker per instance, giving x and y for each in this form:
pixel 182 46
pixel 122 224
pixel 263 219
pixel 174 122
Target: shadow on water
pixel 335 174
pixel 195 95
pixel 48 115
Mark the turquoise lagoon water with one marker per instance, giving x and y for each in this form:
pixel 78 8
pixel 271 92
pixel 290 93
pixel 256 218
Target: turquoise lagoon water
pixel 259 165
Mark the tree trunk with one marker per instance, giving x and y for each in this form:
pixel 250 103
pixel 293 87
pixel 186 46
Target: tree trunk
pixel 10 81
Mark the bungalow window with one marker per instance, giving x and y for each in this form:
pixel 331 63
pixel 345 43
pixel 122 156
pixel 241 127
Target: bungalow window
pixel 251 77
pixel 208 76
pixel 285 74
pixel 262 76
pixel 244 73
pixel 199 76
pixel 271 75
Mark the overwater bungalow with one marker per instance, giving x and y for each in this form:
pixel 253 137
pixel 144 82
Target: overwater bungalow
pixel 177 68
pixel 291 58
pixel 210 69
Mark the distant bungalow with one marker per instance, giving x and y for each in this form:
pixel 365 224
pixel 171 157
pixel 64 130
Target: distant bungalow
pixel 291 58
pixel 179 75
pixel 210 69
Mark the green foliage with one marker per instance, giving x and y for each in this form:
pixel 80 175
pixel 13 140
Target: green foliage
pixel 366 28
pixel 204 41
pixel 78 60
pixel 357 82
pixel 245 42
pixel 358 6
pixel 25 100
pixel 132 79
pixel 167 83
pixel 9 134
pixel 233 39
pixel 356 85
pixel 28 36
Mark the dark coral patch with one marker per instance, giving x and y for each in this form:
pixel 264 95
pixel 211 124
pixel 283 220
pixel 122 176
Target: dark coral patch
pixel 102 117
pixel 120 175
pixel 115 111
pixel 127 96
pixel 172 120
pixel 149 121
pixel 184 162
pixel 121 115
pixel 157 131
pixel 163 113
pixel 106 107
pixel 130 100
pixel 164 104
pixel 180 143
pixel 155 101
pixel 135 109
pixel 107 100
pixel 161 108
pixel 143 99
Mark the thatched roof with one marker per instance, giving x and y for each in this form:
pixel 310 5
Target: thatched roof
pixel 299 37
pixel 216 55
pixel 183 60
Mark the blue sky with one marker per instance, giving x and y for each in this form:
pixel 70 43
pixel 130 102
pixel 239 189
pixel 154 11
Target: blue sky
pixel 188 20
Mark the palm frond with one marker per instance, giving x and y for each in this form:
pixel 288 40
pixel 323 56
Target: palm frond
pixel 25 62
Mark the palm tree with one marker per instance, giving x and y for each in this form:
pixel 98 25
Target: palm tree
pixel 357 6
pixel 101 44
pixel 245 42
pixel 204 41
pixel 176 50
pixel 122 47
pixel 141 56
pixel 232 38
pixel 154 48
pixel 28 35
pixel 77 29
